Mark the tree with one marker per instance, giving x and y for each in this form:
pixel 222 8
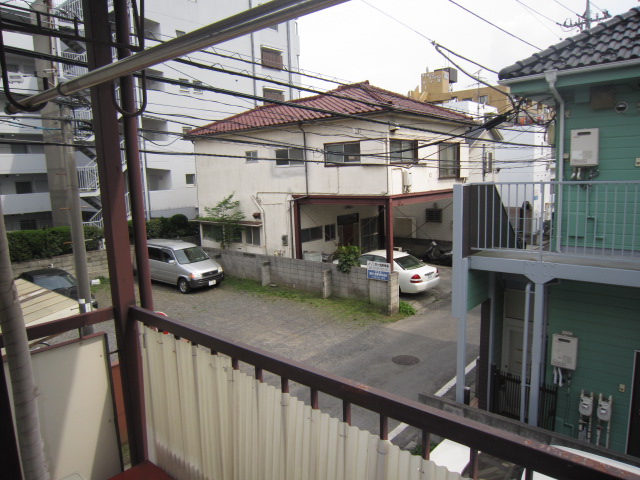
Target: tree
pixel 228 220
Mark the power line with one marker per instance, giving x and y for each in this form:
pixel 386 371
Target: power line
pixel 494 25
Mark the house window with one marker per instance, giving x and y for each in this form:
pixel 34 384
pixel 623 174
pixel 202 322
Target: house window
pixel 24 187
pixel 28 224
pixel 329 232
pixel 212 232
pixel 183 87
pixel 489 160
pixel 196 87
pixel 434 215
pixel 252 235
pixel 271 58
pixel 310 234
pixel 449 160
pixel 483 99
pixel 403 150
pixel 342 152
pixel 251 156
pixel 190 178
pixel 289 156
pixel 273 94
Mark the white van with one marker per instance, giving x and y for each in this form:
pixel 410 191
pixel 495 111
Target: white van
pixel 183 264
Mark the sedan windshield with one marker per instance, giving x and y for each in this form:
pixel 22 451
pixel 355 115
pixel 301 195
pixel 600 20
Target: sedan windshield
pixel 409 262
pixel 55 282
pixel 190 255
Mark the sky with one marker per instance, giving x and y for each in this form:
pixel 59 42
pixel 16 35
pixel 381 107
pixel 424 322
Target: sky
pixel 389 42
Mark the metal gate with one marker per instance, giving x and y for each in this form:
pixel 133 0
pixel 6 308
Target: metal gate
pixel 506 399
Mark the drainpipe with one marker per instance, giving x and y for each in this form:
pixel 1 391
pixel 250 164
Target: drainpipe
pixel 525 345
pixel 304 158
pixel 551 77
pixel 264 223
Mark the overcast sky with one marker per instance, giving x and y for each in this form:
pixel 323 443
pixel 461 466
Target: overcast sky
pixel 359 40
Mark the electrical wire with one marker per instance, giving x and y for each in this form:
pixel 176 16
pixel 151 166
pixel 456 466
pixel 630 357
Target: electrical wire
pixel 494 25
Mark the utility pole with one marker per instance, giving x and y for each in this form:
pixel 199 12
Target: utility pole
pixel 585 20
pixel 62 174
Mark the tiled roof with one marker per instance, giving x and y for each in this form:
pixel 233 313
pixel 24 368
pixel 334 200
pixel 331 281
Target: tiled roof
pixel 355 99
pixel 614 40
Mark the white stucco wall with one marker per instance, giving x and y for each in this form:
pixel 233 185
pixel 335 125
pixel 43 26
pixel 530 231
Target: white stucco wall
pixel 266 187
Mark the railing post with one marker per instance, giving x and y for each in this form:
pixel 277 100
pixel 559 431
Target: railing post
pixel 426 445
pixel 384 427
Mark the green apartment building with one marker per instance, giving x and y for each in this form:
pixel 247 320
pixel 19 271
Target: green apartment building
pixel 559 293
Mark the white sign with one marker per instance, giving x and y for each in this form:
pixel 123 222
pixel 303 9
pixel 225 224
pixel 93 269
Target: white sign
pixel 378 270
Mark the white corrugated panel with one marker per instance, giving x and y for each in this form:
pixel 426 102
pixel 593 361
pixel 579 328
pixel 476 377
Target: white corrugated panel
pixel 208 421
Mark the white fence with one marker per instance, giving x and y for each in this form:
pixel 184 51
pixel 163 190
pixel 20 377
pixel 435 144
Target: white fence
pixel 206 420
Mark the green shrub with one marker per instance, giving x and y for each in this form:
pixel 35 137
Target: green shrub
pixel 348 256
pixel 158 228
pixel 26 245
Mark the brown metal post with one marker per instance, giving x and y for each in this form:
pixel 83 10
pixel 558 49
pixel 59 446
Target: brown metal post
pixel 296 229
pixel 132 152
pixel 112 192
pixel 389 231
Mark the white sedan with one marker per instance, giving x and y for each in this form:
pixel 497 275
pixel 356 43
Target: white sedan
pixel 414 276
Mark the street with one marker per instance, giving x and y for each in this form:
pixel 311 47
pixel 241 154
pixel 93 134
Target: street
pixel 424 345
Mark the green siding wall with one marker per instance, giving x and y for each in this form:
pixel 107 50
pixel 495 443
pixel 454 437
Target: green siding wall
pixel 606 320
pixel 478 289
pixel 604 216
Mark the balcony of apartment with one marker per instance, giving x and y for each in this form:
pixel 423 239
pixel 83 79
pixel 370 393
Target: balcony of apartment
pixel 22 163
pixel 211 407
pixel 18 204
pixel 570 226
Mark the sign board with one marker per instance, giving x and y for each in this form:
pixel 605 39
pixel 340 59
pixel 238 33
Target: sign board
pixel 378 270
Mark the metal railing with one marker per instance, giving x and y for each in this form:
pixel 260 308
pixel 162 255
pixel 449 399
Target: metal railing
pixel 572 218
pixel 528 453
pixel 74 71
pixel 88 179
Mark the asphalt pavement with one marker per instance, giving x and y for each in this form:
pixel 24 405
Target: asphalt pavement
pixel 423 345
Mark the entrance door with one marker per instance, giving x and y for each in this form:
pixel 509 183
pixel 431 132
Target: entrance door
pixel 633 445
pixel 348 234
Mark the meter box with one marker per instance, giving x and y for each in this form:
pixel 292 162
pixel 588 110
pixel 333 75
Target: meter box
pixel 584 147
pixel 564 351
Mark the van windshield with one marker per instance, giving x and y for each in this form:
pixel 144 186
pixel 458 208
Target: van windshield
pixel 190 255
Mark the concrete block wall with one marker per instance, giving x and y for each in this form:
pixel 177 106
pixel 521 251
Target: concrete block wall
pixel 322 278
pixel 96 263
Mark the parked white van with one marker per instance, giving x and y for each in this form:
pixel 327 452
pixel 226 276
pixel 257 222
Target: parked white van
pixel 182 264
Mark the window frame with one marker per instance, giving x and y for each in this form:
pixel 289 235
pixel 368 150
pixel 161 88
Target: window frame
pixel 288 161
pixel 186 179
pixel 275 94
pixel 330 232
pixel 196 87
pixel 184 88
pixel 252 235
pixel 331 158
pixel 412 149
pixel 449 167
pixel 273 59
pixel 22 190
pixel 251 156
pixel 311 234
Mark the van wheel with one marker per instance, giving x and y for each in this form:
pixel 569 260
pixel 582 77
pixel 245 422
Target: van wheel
pixel 184 286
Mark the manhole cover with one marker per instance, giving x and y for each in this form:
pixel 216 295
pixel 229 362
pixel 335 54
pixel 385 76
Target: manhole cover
pixel 405 360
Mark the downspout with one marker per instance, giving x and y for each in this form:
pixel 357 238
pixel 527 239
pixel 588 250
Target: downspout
pixel 304 158
pixel 252 39
pixel 264 223
pixel 289 60
pixel 551 77
pixel 525 347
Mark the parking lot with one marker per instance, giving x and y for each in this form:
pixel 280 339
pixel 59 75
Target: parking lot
pixel 358 351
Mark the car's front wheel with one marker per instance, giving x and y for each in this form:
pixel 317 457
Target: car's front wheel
pixel 183 286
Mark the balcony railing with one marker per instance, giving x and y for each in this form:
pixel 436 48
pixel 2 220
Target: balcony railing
pixel 594 219
pixel 204 414
pixel 88 180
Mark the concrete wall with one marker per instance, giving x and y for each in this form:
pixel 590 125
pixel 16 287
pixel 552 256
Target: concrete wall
pixel 96 262
pixel 322 278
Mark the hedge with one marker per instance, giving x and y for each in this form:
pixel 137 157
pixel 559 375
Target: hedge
pixel 26 245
